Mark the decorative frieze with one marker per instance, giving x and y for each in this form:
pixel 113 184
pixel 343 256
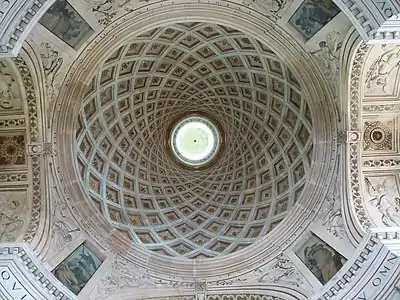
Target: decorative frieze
pixel 24 277
pixel 16 21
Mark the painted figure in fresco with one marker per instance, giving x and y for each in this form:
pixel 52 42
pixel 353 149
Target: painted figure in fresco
pixel 382 67
pixel 314 15
pixel 88 262
pixel 64 274
pixel 321 262
pixel 388 205
pixel 77 269
pixel 63 21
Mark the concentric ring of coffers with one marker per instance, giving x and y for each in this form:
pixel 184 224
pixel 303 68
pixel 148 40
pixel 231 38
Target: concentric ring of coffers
pixel 123 133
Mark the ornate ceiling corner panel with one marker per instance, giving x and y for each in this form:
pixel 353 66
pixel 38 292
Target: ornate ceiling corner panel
pixel 376 191
pixel 24 277
pixel 376 21
pixel 20 195
pixel 17 18
pixel 370 274
pixel 107 12
pixel 32 160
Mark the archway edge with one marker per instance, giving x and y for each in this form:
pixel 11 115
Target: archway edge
pixel 375 20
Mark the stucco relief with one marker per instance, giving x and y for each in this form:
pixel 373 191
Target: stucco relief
pixel 328 55
pixel 374 160
pixel 14 215
pixel 379 135
pixel 331 213
pixel 275 8
pixel 123 276
pixel 106 11
pixel 63 229
pixel 282 271
pixel 383 197
pixel 381 77
pixel 52 62
pixel 10 93
pixel 12 150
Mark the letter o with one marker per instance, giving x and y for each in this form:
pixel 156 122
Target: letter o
pixel 388 12
pixel 5 4
pixel 376 282
pixel 5 275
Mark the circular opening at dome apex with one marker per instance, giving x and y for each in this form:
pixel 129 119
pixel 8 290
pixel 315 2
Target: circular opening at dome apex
pixel 195 140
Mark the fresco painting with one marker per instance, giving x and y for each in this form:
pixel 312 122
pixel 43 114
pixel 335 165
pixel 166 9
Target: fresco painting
pixel 66 23
pixel 76 270
pixel 312 15
pixel 320 258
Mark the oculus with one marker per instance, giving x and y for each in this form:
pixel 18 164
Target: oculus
pixel 195 141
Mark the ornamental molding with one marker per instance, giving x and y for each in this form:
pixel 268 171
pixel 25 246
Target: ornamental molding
pixel 375 20
pixel 23 276
pixel 17 18
pixel 372 273
pixel 354 147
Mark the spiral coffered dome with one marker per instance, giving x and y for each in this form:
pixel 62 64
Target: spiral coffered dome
pixel 262 123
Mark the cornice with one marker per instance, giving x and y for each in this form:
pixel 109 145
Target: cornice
pixel 42 283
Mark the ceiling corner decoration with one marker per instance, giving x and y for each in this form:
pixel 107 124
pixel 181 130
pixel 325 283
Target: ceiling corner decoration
pixel 375 107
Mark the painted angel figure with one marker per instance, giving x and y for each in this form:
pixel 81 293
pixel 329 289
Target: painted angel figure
pixel 388 206
pixel 328 53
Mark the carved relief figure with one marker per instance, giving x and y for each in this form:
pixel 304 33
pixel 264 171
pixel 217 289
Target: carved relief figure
pixel 385 201
pixel 328 54
pixel 381 69
pixel 10 221
pixel 105 10
pixel 65 22
pixel 9 91
pixel 77 269
pixel 282 271
pixel 51 61
pixel 62 233
pixel 333 219
pixel 321 259
pixel 312 15
pixel 274 7
pixel 334 223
